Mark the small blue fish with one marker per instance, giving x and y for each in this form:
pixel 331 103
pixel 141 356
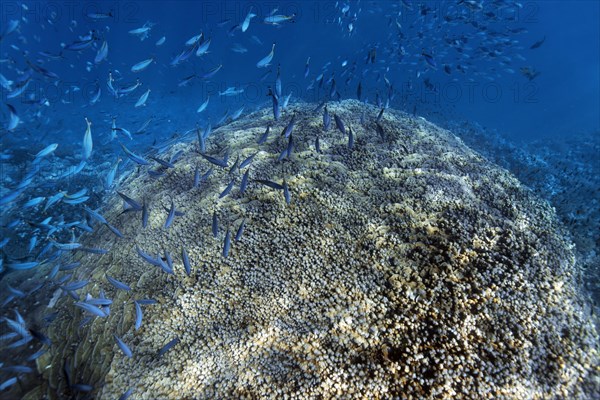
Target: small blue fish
pixel 118 284
pixel 270 184
pixel 23 265
pixel 227 243
pixel 263 138
pixel 171 215
pixel 186 261
pixel 167 347
pixel 266 61
pixel 99 302
pixel 326 120
pixel 33 202
pixel 129 391
pixel 114 230
pixel 133 205
pixel 240 231
pixel 145 214
pixel 95 215
pixel 134 157
pixel 74 286
pixel 350 138
pixel 227 189
pixel 124 348
pixel 92 309
pixel 93 250
pixel 138 315
pixel 147 257
pixel 8 383
pixel 286 193
pixel 247 161
pixel 244 183
pixel 215 224
pixel 145 302
pixel 215 161
pixel 339 123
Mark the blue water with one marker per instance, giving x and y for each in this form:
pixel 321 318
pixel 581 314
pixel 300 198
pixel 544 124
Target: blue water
pixel 467 66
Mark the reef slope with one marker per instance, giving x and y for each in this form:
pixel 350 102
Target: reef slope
pixel 406 266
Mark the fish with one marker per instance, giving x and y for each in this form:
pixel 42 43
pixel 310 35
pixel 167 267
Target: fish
pixel 67 246
pixel 359 91
pixel 286 192
pixel 290 127
pixel 307 68
pixel 138 315
pixel 46 151
pixel 429 60
pixel 350 138
pixel 33 202
pixel 326 120
pixel 263 138
pixel 212 72
pixel 6 84
pixel 227 189
pixel 266 61
pixel 339 123
pixel 147 257
pixel 240 230
pixel 92 309
pixel 247 161
pixel 244 182
pixel 102 53
pixel 215 224
pixel 247 20
pixel 186 261
pixel 13 120
pixel 134 157
pixel 269 183
pixel 161 41
pixel 142 100
pixel 114 230
pixel 278 81
pixel 194 40
pixel 216 161
pixel 227 243
pixel 145 214
pixel 276 109
pixel 231 91
pixel 118 284
pixel 203 47
pixel 170 216
pixel 112 172
pixel 87 141
pixel 238 48
pixel 133 205
pixel 142 65
pixel 8 383
pixel 236 114
pixel 164 163
pixel 79 45
pixel 23 265
pixel 380 130
pixel 167 347
pixel 203 105
pixel 97 16
pixel 143 32
pixel 538 43
pixel 124 348
pixel 278 19
pixel 290 146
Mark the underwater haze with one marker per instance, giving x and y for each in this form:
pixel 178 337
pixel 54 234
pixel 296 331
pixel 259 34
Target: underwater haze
pixel 108 107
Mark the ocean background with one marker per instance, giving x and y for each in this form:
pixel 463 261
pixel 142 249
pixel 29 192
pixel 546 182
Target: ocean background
pixel 518 81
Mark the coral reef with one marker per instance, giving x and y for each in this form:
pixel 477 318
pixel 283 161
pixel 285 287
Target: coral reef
pixel 407 266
